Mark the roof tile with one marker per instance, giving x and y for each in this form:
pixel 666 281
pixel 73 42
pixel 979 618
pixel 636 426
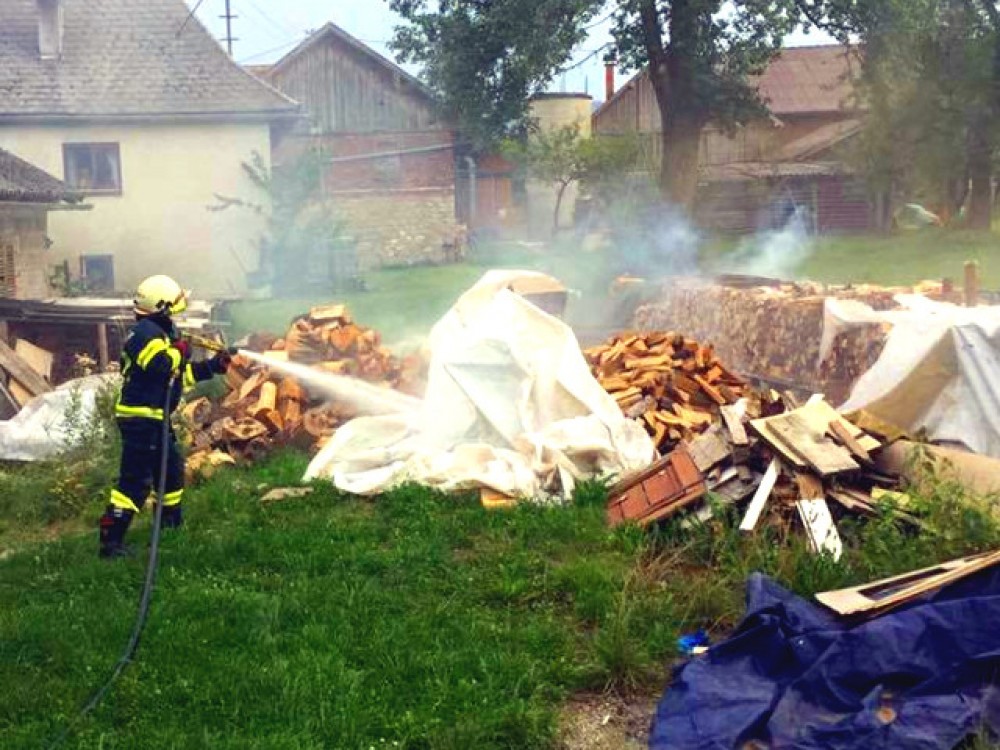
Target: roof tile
pixel 124 57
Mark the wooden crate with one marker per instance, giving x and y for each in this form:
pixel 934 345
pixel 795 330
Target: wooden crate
pixel 669 485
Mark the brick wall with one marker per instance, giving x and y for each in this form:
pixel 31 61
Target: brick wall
pixel 27 228
pixel 392 171
pixel 400 228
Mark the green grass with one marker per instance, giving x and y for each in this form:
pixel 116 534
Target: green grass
pixel 898 259
pixel 421 620
pixel 401 303
pixel 415 619
pixel 404 303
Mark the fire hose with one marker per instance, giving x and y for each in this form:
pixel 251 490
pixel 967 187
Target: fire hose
pixel 147 589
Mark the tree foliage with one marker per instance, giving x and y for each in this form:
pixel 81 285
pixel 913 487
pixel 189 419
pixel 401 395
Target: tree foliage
pixel 929 81
pixel 562 157
pixel 486 58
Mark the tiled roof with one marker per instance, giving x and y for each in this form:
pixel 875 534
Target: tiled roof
pixel 809 80
pixel 23 182
pixel 801 80
pixel 122 58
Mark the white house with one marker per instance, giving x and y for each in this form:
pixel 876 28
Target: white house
pixel 135 105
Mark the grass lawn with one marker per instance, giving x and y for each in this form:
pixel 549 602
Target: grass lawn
pixel 404 303
pixel 412 621
pixel 899 259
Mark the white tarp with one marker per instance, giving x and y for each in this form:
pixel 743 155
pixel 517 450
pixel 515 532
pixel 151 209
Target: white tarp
pixel 939 371
pixel 510 405
pixel 43 428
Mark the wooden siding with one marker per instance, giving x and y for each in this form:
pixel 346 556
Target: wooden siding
pixel 347 92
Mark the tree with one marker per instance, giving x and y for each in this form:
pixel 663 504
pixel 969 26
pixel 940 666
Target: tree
pixel 563 157
pixel 487 57
pixel 702 56
pixel 303 240
pixel 930 78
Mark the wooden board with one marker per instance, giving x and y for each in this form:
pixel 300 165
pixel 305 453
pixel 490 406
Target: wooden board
pixel 815 514
pixel 881 596
pixel 818 451
pixel 760 497
pixel 39 359
pixel 22 372
pixel 733 417
pixel 21 394
pixel 710 449
pixel 818 414
pixel 843 436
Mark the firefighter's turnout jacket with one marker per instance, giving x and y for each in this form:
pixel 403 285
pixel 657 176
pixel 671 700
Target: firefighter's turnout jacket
pixel 148 358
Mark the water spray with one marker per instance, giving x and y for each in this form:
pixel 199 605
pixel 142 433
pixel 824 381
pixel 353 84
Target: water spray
pixel 365 397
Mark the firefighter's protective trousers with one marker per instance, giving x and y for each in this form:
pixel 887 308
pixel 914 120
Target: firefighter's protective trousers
pixel 149 363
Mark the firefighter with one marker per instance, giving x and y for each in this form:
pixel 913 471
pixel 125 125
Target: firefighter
pixel 154 358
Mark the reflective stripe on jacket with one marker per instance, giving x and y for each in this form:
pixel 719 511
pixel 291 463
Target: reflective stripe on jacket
pixel 148 361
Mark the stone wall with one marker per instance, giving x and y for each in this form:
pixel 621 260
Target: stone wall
pixel 399 228
pixel 25 230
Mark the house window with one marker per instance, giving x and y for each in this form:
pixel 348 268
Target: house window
pixel 93 167
pixel 98 272
pixel 8 271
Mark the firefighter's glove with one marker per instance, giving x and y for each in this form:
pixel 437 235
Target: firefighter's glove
pixel 220 362
pixel 184 348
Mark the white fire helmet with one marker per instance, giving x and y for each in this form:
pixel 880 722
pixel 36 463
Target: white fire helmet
pixel 160 294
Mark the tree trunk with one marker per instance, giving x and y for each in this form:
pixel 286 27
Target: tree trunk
pixel 559 201
pixel 980 214
pixel 679 167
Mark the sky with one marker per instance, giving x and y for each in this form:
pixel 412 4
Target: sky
pixel 267 29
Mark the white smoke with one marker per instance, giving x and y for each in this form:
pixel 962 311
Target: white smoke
pixel 778 253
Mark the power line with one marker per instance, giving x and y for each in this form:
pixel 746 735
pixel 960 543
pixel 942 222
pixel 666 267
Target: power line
pixel 267 52
pixel 189 17
pixel 269 19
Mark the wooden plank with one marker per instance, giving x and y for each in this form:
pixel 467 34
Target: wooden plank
pixel 971 283
pixel 9 404
pixel 815 514
pixel 710 391
pixel 22 372
pixel 733 417
pixel 760 498
pixel 822 454
pixel 843 436
pixel 103 357
pixel 710 449
pixel 881 596
pixel 39 359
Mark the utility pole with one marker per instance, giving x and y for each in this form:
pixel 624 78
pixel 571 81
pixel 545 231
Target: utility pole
pixel 229 28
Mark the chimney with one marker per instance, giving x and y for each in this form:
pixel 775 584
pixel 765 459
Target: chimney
pixel 609 77
pixel 50 29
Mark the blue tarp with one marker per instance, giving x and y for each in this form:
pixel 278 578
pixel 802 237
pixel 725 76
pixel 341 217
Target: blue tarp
pixel 924 676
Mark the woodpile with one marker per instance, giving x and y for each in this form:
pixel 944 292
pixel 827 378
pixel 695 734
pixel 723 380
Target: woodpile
pixel 264 408
pixel 774 332
pixel 673 385
pixel 719 436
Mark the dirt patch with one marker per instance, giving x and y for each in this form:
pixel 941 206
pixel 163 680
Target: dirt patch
pixel 606 722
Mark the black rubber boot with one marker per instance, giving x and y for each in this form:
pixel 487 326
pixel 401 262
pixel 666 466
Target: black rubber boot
pixel 173 517
pixel 113 525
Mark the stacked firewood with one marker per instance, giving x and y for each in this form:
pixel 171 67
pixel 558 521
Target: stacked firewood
pixel 265 408
pixel 774 332
pixel 673 385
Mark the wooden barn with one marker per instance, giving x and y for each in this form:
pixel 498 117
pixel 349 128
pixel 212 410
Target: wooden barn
pixel 393 172
pixel 792 160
